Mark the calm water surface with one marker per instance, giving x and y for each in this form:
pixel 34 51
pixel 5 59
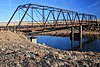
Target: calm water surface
pixel 64 43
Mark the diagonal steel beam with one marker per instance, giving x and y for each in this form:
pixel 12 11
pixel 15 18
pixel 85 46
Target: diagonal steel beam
pixel 12 16
pixel 23 16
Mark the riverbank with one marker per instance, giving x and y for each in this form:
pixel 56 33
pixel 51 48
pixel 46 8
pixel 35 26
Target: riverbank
pixel 66 33
pixel 17 51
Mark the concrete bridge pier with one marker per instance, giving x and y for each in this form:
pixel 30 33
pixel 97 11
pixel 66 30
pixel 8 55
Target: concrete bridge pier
pixel 76 36
pixel 15 29
pixel 80 36
pixel 72 37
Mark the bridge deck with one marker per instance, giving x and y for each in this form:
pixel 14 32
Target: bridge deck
pixel 49 26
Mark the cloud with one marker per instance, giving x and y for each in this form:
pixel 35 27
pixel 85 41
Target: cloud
pixel 95 4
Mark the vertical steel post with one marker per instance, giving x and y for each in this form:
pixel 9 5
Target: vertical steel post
pixel 72 37
pixel 32 16
pixel 43 15
pixel 23 16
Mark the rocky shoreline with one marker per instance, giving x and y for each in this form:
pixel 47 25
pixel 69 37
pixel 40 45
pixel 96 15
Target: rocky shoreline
pixel 17 51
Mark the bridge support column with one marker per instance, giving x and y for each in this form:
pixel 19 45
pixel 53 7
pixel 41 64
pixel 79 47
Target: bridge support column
pixel 72 37
pixel 80 40
pixel 15 29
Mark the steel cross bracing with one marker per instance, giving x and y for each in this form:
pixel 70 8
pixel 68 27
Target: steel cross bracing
pixel 51 17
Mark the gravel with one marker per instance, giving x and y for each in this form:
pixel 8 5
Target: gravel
pixel 17 51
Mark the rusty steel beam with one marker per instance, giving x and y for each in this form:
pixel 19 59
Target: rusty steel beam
pixel 57 15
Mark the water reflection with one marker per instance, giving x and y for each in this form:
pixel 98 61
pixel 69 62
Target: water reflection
pixel 92 46
pixel 64 43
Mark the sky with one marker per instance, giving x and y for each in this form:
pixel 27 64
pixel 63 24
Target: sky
pixel 7 7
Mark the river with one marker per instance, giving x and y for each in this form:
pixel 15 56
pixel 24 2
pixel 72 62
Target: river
pixel 64 43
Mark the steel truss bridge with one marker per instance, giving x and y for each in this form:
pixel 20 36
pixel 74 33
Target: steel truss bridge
pixel 47 17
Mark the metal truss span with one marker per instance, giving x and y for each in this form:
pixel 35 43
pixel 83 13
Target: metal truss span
pixel 50 17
